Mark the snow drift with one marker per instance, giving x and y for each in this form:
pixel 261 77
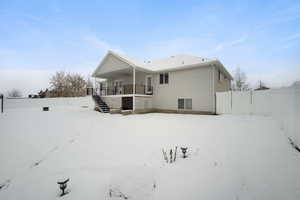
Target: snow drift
pixel 113 156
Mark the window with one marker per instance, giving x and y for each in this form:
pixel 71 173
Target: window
pixel 161 78
pixel 219 75
pixel 188 104
pixel 180 103
pixel 185 104
pixel 164 78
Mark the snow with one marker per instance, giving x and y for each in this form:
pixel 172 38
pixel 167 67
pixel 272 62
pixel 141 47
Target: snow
pixel 230 157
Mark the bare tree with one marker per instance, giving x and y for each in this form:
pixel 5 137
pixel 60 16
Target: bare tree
pixel 75 84
pixel 58 83
pixel 240 81
pixel 89 83
pixel 14 93
pixel 67 85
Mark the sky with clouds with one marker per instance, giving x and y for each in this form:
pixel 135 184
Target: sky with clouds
pixel 38 38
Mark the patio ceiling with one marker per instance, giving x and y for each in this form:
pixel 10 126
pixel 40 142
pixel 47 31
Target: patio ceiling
pixel 118 73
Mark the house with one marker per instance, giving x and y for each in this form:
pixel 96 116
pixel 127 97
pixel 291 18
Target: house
pixel 181 83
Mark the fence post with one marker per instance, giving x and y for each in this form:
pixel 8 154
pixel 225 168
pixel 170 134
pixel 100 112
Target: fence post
pixel 231 101
pixel 1 102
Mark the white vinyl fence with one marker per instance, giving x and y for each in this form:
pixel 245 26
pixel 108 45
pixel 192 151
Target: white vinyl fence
pixel 282 104
pixel 60 101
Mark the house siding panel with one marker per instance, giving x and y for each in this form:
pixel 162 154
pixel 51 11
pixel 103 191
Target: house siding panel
pixel 143 103
pixel 113 102
pixel 222 85
pixel 192 83
pixel 111 64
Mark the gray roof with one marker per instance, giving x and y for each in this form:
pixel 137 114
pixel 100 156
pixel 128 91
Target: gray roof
pixel 177 62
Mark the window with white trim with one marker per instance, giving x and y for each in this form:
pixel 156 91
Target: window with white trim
pixel 185 103
pixel 164 78
pixel 188 104
pixel 180 103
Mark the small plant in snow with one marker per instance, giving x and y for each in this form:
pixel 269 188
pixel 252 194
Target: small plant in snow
pixel 294 145
pixel 154 185
pixel 172 156
pixel 175 153
pixel 63 186
pixel 5 184
pixel 184 150
pixel 165 156
pixel 117 193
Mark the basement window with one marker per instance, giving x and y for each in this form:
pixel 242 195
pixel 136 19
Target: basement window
pixel 188 104
pixel 180 103
pixel 185 103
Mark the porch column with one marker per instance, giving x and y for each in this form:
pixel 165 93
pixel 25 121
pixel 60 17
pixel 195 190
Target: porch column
pixel 133 90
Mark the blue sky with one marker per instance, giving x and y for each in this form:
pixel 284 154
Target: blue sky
pixel 38 38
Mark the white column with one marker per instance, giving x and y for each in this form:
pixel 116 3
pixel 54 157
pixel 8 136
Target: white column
pixel 106 87
pixel 133 91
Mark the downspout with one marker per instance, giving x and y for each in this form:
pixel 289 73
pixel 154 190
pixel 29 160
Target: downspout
pixel 213 89
pixel 133 88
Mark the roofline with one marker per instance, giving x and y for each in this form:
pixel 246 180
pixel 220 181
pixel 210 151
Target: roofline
pixel 185 67
pixel 224 69
pixel 216 61
pixel 196 66
pixel 122 59
pixel 129 62
pixel 103 59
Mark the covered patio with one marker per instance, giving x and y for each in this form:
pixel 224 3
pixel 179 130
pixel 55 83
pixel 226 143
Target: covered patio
pixel 122 84
pixel 120 77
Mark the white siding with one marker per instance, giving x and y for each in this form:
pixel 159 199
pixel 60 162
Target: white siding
pixel 192 83
pixel 113 102
pixel 140 78
pixel 126 79
pixel 222 85
pixel 111 64
pixel 143 103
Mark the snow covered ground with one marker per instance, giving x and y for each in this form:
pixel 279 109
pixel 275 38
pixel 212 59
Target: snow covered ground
pixel 230 157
